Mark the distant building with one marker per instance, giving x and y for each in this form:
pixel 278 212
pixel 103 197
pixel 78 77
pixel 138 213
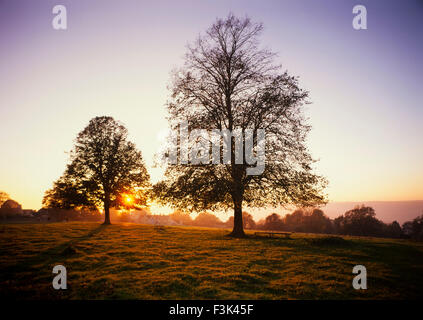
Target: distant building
pixel 10 209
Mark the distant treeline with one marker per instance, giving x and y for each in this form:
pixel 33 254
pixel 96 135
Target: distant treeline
pixel 360 221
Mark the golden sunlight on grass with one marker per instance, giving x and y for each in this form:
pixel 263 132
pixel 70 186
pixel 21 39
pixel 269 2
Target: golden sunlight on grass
pixel 133 261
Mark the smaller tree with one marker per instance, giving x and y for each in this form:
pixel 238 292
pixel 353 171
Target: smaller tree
pixel 394 230
pixel 3 197
pixel 248 221
pixel 295 221
pixel 316 221
pixel 205 219
pixel 181 217
pixel 273 222
pixel 106 170
pixel 10 208
pixel 360 221
pixel 414 228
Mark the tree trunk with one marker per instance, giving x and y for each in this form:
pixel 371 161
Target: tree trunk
pixel 106 210
pixel 238 230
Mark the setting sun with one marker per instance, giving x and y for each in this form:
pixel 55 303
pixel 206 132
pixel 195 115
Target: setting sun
pixel 128 199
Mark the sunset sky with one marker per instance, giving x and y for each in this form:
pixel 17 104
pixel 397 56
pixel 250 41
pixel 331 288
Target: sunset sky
pixel 115 59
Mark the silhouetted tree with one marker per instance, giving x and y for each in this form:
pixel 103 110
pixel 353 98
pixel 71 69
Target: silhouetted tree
pixel 360 221
pixel 205 219
pixel 414 228
pixel 407 229
pixel 311 220
pixel 229 83
pixel 295 221
pixel 3 197
pixel 273 222
pixel 10 208
pixel 104 166
pixel 393 230
pixel 315 221
pixel 181 217
pixel 248 220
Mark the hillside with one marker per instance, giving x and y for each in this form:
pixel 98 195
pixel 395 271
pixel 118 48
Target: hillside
pixel 132 261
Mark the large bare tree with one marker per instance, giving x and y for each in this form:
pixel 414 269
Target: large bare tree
pixel 229 82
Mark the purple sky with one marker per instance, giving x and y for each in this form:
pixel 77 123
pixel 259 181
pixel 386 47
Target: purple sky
pixel 116 56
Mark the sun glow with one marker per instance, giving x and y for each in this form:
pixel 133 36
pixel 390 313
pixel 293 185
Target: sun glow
pixel 128 199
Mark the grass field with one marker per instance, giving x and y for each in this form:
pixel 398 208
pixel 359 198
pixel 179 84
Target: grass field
pixel 131 261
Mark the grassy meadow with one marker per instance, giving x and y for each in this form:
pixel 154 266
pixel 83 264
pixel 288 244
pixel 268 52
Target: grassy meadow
pixel 132 261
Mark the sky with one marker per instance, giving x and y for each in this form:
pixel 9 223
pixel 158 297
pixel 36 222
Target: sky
pixel 115 59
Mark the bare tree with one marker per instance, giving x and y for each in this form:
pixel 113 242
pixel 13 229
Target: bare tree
pixel 229 83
